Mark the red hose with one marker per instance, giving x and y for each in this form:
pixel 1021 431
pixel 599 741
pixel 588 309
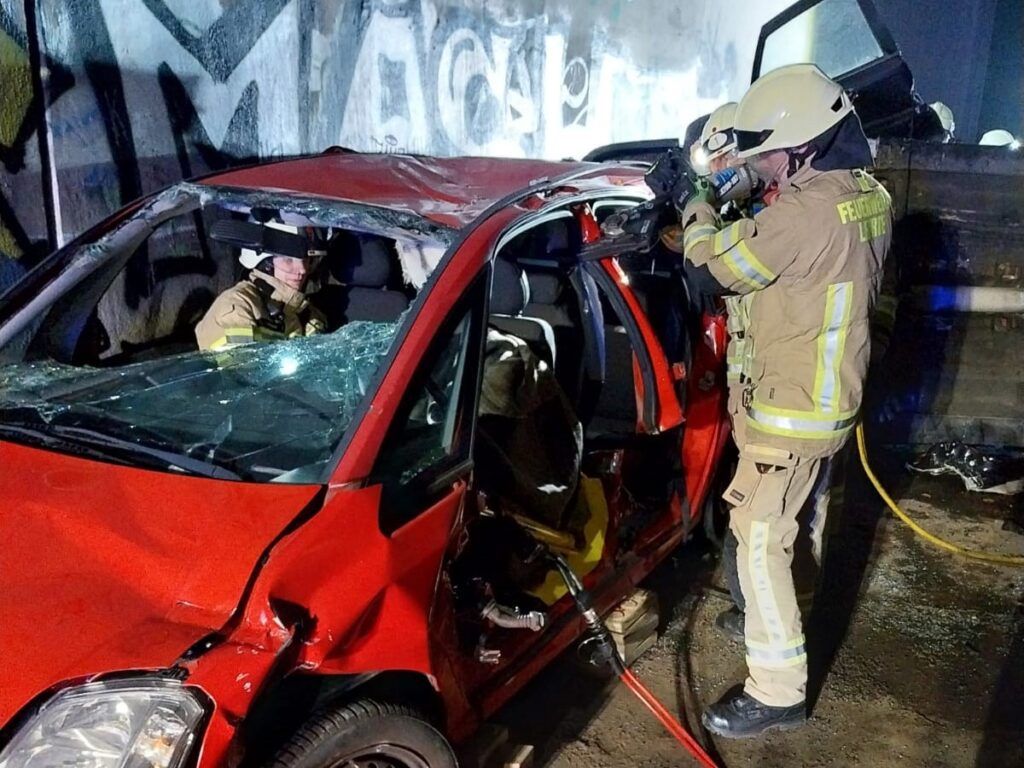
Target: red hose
pixel 665 718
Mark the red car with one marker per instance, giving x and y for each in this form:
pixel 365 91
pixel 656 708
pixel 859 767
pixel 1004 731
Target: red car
pixel 327 548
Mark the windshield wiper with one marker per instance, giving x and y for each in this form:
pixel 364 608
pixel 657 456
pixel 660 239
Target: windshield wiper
pixel 119 449
pixel 172 459
pixel 37 437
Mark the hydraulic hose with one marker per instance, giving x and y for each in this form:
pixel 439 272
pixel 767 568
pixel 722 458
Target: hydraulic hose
pixel 610 655
pixel 971 554
pixel 664 717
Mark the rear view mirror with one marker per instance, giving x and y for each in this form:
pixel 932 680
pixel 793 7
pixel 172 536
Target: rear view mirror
pixel 262 239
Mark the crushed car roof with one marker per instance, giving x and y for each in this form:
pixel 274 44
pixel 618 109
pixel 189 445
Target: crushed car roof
pixel 449 191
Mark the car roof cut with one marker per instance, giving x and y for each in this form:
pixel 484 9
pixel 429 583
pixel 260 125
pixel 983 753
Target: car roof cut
pixel 448 191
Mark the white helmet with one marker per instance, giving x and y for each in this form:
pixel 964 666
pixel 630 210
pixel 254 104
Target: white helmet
pixel 997 138
pixel 945 115
pixel 718 137
pixel 302 246
pixel 788 107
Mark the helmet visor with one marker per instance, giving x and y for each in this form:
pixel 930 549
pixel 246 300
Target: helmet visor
pixel 747 141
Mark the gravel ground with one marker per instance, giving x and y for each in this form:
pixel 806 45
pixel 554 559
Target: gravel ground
pixel 916 656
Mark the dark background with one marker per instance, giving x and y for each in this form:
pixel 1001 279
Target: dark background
pixel 966 54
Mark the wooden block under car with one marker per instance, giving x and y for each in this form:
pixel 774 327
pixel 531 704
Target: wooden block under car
pixel 633 624
pixel 516 756
pixel 639 604
pixel 487 748
pixel 631 649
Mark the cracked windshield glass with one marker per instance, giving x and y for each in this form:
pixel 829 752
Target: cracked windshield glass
pixel 226 335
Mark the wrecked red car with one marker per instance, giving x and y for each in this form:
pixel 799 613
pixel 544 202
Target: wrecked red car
pixel 326 548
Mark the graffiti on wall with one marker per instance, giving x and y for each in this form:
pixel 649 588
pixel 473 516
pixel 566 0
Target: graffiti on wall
pixel 135 95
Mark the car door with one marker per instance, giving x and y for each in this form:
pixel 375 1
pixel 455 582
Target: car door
pixel 849 42
pixel 630 333
pixel 679 365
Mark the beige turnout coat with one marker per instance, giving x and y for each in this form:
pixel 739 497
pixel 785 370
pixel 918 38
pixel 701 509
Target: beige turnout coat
pixel 260 308
pixel 809 267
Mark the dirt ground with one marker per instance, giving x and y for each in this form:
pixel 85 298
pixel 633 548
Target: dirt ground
pixel 917 657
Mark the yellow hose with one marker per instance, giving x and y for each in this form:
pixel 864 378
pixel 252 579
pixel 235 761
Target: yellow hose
pixel 1011 560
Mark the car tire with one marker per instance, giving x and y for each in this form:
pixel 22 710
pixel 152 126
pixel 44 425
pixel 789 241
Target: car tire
pixel 715 515
pixel 366 734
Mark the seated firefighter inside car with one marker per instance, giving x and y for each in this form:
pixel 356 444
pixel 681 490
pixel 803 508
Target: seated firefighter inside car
pixel 272 302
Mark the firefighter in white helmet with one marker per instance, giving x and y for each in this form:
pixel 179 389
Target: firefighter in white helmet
pixel 270 304
pixel 717 143
pixel 810 265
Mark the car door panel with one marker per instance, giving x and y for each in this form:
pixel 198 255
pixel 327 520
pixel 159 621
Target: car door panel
pixel 851 44
pixel 658 407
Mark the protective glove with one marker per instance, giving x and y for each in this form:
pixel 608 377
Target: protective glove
pixel 703 192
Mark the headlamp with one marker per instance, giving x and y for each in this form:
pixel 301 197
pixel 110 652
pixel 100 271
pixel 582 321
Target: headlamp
pixel 132 723
pixel 699 160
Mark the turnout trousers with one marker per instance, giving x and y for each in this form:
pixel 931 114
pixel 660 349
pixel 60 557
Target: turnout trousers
pixel 779 510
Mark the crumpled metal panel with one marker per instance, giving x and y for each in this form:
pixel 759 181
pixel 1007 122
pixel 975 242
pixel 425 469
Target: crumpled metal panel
pixel 449 191
pixel 106 568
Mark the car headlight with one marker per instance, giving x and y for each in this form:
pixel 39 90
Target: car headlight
pixel 117 724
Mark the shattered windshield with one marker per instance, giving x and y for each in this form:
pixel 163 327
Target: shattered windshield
pixel 263 412
pixel 222 332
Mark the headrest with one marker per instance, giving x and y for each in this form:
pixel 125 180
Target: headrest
pixel 375 305
pixel 545 287
pixel 510 293
pixel 362 260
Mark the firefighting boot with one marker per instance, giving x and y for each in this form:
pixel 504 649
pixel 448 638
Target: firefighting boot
pixel 730 623
pixel 739 716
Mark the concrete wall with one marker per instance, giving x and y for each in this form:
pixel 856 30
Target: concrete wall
pixel 105 100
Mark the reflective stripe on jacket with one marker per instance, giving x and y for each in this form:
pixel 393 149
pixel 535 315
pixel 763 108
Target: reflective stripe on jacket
pixel 737 319
pixel 260 308
pixel 810 267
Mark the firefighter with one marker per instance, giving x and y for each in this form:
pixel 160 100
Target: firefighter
pixel 714 151
pixel 718 139
pixel 270 303
pixel 810 266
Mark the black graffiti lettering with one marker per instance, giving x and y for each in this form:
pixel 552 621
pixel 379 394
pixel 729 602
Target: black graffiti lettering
pixel 528 78
pixel 229 39
pixel 394 101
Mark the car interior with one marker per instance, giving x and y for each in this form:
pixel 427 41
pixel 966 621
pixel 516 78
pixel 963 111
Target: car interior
pixel 617 494
pixel 146 305
pixel 541 294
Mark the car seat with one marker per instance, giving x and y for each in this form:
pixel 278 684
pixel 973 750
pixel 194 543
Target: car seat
pixel 510 294
pixel 364 265
pixel 565 296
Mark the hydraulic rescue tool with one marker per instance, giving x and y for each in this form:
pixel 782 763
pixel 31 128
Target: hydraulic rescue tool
pixel 673 183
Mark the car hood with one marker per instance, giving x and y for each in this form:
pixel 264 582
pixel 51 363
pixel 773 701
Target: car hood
pixel 107 568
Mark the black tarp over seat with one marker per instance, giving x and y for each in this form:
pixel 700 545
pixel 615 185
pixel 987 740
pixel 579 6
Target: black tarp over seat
pixel 530 442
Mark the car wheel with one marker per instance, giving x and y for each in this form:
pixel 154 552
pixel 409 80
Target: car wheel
pixel 716 512
pixel 366 734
